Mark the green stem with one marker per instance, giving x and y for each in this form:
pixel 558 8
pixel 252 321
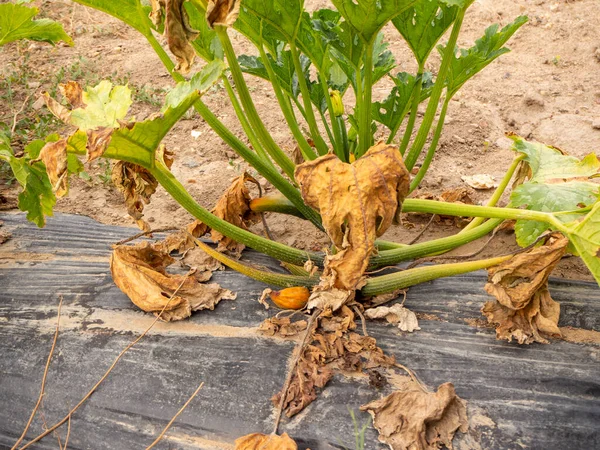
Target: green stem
pixel 411 277
pixel 277 250
pixel 269 144
pixel 326 126
pixel 498 192
pixel 163 56
pixel 309 113
pixel 265 169
pixel 243 120
pixel 416 101
pixel 284 104
pixel 432 148
pixel 365 136
pixel 336 143
pixel 432 105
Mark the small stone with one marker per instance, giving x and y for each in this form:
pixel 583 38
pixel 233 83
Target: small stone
pixel 190 164
pixel 596 124
pixel 534 100
pixel 458 139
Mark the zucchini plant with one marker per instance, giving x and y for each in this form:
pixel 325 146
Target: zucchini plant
pixel 322 66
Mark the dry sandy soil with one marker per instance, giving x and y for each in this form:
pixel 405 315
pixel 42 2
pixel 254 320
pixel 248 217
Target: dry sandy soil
pixel 547 88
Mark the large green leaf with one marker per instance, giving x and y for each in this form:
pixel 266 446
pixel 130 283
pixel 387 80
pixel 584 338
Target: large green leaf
pixel 16 22
pixel 423 24
pixel 282 15
pixel 558 183
pixel 132 12
pixel 470 61
pixel 367 17
pixel 105 106
pixel 585 237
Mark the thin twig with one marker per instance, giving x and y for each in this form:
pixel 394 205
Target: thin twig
pixel 93 389
pixel 422 232
pixel 68 433
pixel 43 385
pixel 14 124
pixel 413 377
pixel 145 233
pixel 290 374
pixel 362 319
pixel 160 436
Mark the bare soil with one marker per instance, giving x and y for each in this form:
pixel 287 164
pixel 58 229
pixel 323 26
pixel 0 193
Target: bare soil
pixel 547 88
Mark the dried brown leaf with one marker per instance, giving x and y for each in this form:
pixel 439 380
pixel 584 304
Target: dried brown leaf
pixel 259 441
pixel 417 420
pixel 140 272
pixel 54 157
pixel 57 109
pixel 136 184
pixel 98 141
pixel 396 314
pixel 73 93
pixel 358 203
pixel 524 309
pixel 283 326
pixel 222 12
pixel 179 34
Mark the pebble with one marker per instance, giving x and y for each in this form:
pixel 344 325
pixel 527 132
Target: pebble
pixel 596 124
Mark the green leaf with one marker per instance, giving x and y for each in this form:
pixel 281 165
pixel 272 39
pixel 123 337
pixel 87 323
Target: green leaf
pixel 207 44
pixel 558 183
pixel 200 82
pixel 16 23
pixel 486 49
pixel 585 237
pixel 105 106
pixel 132 12
pixel 367 17
pixel 423 24
pixel 282 15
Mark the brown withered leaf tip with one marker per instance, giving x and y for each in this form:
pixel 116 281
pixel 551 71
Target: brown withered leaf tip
pixel 54 157
pixel 140 272
pixel 222 12
pixel 72 91
pixel 137 186
pixel 417 420
pixel 259 441
pixel 333 346
pixel 178 31
pixel 524 309
pixel 62 113
pixel 98 141
pixel 358 202
pixel 233 207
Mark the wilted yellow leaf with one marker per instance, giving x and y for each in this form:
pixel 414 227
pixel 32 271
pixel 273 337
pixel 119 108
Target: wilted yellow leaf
pixel 54 157
pixel 222 12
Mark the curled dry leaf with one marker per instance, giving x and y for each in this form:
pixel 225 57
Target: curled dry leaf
pixel 178 31
pixel 417 420
pixel 54 157
pixel 358 203
pixel 140 272
pixel 137 185
pixel 222 12
pixel 396 314
pixel 234 207
pixel 524 309
pixel 283 326
pixel 259 441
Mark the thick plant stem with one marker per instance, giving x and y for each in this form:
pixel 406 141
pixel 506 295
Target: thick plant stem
pixel 243 120
pixel 416 100
pixel 410 277
pixel 275 249
pixel 497 193
pixel 432 105
pixel 267 170
pixel 365 136
pixel 309 113
pixel 432 148
pixel 284 104
pixel 261 131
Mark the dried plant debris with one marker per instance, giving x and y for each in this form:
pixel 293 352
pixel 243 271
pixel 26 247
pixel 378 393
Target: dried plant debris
pixel 140 272
pixel 222 12
pixel 178 31
pixel 54 157
pixel 259 441
pixel 332 346
pixel 416 420
pixel 358 203
pixel 282 326
pixel 397 314
pixel 234 207
pixel 524 309
pixel 480 181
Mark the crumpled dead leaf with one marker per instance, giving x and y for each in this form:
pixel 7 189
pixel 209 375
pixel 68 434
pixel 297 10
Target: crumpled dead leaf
pixel 178 31
pixel 358 202
pixel 72 91
pixel 259 441
pixel 396 314
pixel 524 309
pixel 234 207
pixel 222 12
pixel 417 420
pixel 98 141
pixel 140 272
pixel 282 326
pixel 480 181
pixel 54 157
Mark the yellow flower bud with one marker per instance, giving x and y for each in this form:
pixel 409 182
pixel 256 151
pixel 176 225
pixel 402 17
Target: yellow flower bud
pixel 336 101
